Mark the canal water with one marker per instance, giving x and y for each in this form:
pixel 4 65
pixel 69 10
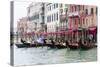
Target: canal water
pixel 46 55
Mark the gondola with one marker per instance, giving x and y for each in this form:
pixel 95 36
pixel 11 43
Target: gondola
pixel 82 46
pixel 28 45
pixel 86 47
pixel 58 46
pixel 73 47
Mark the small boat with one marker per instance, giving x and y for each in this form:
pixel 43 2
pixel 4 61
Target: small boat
pixel 86 47
pixel 57 46
pixel 27 45
pixel 73 47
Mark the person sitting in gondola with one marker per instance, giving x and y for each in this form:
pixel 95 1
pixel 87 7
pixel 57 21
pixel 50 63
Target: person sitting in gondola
pixel 59 42
pixel 23 41
pixel 75 43
pixel 33 42
pixel 70 42
pixel 44 41
pixel 64 43
pixel 56 43
pixel 67 43
pixel 52 42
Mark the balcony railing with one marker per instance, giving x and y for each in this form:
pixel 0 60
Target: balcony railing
pixel 62 28
pixel 76 13
pixel 63 17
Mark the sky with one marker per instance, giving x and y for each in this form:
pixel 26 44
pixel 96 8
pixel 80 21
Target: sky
pixel 20 10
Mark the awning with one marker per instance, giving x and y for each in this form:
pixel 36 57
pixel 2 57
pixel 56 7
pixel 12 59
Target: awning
pixel 29 33
pixel 92 30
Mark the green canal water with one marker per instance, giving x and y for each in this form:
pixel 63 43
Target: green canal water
pixel 45 55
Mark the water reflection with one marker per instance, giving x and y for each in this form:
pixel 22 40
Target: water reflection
pixel 45 55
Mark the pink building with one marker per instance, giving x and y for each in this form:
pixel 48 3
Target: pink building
pixel 82 20
pixel 76 20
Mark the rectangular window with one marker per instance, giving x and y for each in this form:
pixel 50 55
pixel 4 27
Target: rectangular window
pixel 96 10
pixel 83 7
pixel 52 17
pixel 75 21
pixel 61 11
pixel 91 10
pixel 83 20
pixel 86 11
pixel 72 8
pixel 47 19
pixel 75 8
pixel 57 16
pixel 50 7
pixel 79 21
pixel 61 5
pixel 79 7
pixel 56 5
pixel 65 9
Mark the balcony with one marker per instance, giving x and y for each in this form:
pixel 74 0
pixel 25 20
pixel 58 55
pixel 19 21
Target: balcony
pixel 62 28
pixel 73 14
pixel 63 17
